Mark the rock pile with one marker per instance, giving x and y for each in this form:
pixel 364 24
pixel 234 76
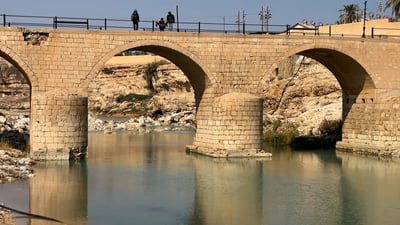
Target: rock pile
pixel 14 164
pixel 180 120
pixel 6 218
pixel 14 130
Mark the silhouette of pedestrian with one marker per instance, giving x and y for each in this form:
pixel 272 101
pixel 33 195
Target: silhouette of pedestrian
pixel 161 24
pixel 135 19
pixel 170 21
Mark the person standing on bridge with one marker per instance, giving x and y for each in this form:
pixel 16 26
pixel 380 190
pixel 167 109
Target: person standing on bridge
pixel 135 19
pixel 161 24
pixel 170 21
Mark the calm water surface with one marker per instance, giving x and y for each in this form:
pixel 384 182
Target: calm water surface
pixel 149 179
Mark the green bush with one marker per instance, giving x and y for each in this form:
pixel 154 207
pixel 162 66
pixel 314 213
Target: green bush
pixel 330 127
pixel 151 72
pixel 282 137
pixel 280 134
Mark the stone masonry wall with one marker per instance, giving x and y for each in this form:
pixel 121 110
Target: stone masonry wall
pixel 234 128
pixel 59 127
pixel 373 129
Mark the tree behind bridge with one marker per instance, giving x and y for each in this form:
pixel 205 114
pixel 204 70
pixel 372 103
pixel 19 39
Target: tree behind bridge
pixel 395 6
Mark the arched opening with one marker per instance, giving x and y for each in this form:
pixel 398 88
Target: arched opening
pixel 142 87
pixel 147 84
pixel 352 76
pixel 15 100
pixel 313 91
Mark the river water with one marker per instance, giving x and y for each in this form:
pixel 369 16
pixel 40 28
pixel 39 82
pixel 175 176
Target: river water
pixel 150 179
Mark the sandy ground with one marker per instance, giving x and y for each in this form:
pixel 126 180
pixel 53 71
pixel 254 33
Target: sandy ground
pixel 133 60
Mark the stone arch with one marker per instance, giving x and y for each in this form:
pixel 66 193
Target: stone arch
pixel 352 77
pixel 190 65
pixel 16 61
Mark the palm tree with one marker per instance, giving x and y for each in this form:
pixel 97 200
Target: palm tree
pixel 349 13
pixel 394 5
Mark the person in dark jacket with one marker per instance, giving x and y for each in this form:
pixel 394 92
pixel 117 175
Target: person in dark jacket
pixel 170 21
pixel 161 24
pixel 135 19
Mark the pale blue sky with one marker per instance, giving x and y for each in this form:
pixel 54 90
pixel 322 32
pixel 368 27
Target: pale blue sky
pixel 283 11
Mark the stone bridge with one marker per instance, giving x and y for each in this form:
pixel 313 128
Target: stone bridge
pixel 227 73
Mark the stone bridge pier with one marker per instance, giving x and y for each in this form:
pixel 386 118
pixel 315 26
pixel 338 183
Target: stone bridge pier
pixel 230 126
pixel 59 127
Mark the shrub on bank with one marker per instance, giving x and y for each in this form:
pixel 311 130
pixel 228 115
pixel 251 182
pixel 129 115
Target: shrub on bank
pixel 330 127
pixel 281 134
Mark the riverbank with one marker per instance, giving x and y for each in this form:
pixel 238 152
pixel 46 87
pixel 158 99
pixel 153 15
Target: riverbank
pixel 14 164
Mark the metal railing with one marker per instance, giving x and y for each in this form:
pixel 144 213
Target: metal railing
pixel 382 32
pixel 197 27
pixel 58 22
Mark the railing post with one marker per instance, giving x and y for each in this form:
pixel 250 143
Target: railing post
pixel 330 30
pixel 55 22
pixel 372 32
pixel 317 31
pixel 105 23
pixel 4 20
pixel 244 27
pixel 153 25
pixel 87 24
pixel 198 28
pixel 287 29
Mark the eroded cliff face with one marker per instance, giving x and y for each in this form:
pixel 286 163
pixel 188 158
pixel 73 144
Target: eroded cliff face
pixel 123 90
pixel 14 90
pixel 304 93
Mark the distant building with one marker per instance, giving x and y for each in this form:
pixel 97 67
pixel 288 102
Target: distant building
pixel 303 29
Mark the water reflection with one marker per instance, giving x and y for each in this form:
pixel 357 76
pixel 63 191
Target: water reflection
pixel 59 190
pixel 372 189
pixel 227 191
pixel 149 179
pixel 302 188
pixel 140 179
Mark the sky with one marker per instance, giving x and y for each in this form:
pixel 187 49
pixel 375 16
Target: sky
pixel 282 11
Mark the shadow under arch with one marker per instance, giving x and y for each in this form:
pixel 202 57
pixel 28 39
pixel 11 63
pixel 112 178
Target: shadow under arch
pixel 183 59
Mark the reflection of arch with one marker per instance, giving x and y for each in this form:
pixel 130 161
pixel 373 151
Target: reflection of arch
pixel 350 74
pixel 196 73
pixel 16 61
